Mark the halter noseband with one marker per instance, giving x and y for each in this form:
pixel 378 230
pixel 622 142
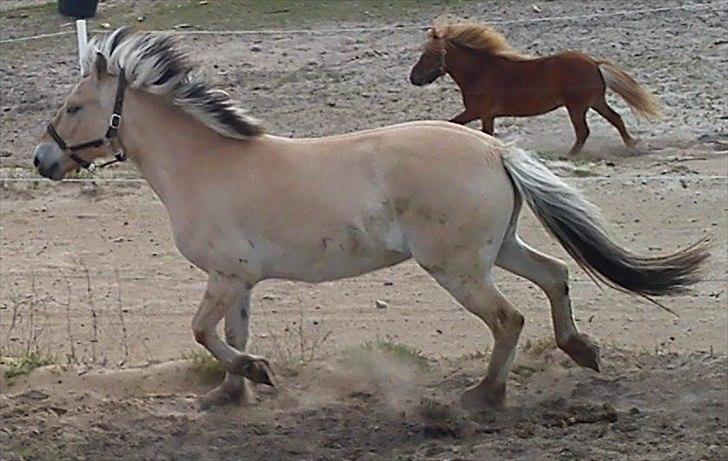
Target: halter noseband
pixel 111 133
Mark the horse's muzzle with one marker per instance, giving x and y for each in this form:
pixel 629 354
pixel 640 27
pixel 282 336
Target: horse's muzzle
pixel 417 80
pixel 47 161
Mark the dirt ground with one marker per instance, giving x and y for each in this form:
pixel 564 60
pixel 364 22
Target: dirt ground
pixel 89 275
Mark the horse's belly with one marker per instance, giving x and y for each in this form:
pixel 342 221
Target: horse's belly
pixel 527 107
pixel 330 256
pixel 314 270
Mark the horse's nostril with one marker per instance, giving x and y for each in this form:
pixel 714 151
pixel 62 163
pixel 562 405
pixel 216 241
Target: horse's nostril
pixel 36 161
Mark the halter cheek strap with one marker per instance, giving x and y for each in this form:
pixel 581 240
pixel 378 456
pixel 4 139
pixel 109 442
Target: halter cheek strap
pixel 441 65
pixel 112 133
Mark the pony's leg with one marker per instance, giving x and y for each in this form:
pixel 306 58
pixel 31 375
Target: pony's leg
pixel 234 388
pixel 578 119
pixel 487 125
pixel 221 295
pixel 475 290
pixel 464 117
pixel 614 118
pixel 552 276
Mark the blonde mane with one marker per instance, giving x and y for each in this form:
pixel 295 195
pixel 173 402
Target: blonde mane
pixel 153 63
pixel 474 35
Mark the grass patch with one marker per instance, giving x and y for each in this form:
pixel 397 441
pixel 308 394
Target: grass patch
pixel 266 14
pixel 23 365
pixel 205 367
pixel 399 353
pixel 225 14
pixel 539 347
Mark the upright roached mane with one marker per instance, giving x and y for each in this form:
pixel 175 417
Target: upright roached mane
pixel 153 63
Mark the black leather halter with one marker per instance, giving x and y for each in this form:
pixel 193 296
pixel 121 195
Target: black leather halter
pixel 111 133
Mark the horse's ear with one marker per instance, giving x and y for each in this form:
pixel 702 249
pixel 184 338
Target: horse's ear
pixel 100 65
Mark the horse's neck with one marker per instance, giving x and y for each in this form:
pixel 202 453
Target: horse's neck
pixel 467 66
pixel 162 141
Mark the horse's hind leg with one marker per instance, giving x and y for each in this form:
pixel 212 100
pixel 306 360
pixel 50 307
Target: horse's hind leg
pixel 577 113
pixel 234 388
pixel 552 276
pixel 474 289
pixel 614 118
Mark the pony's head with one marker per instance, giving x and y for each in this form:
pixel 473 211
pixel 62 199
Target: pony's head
pixel 448 33
pixel 431 64
pixel 78 133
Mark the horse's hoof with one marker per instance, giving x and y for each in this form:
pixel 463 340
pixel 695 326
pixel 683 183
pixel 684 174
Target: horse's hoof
pixel 631 142
pixel 220 396
pixel 256 369
pixel 583 351
pixel 481 397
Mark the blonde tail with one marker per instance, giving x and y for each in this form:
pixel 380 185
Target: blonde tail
pixel 640 100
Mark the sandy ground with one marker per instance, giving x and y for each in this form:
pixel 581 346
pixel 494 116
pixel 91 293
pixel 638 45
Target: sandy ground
pixel 90 275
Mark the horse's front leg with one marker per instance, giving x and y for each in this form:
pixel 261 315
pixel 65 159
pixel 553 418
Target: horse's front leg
pixel 487 125
pixel 464 117
pixel 234 388
pixel 221 298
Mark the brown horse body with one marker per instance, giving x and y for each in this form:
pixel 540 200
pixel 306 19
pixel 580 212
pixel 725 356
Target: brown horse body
pixel 497 81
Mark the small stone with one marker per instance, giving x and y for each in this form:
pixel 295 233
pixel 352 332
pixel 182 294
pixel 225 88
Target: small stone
pixel 381 304
pixel 255 49
pixel 90 189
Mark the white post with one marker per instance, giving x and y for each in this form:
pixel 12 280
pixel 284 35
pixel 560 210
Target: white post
pixel 82 38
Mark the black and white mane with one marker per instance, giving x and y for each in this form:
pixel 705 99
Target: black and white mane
pixel 153 63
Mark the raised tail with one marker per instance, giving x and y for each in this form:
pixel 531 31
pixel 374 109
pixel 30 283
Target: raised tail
pixel 579 227
pixel 639 99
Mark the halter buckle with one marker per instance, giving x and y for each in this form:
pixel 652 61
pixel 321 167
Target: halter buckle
pixel 115 121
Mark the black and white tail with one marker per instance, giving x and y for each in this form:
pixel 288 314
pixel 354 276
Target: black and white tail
pixel 579 227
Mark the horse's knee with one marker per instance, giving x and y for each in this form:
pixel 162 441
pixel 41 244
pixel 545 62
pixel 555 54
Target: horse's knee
pixel 509 322
pixel 199 332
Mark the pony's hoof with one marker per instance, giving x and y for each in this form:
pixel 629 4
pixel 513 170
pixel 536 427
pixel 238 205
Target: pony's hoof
pixel 583 351
pixel 631 142
pixel 481 397
pixel 256 369
pixel 220 396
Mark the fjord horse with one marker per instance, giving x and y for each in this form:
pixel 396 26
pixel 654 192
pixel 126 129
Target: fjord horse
pixel 246 206
pixel 497 81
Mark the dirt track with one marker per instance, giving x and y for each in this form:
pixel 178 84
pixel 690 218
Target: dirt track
pixel 673 370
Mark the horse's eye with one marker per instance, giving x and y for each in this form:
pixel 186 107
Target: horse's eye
pixel 73 109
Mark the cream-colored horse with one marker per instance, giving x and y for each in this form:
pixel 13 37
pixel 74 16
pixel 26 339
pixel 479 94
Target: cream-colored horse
pixel 246 206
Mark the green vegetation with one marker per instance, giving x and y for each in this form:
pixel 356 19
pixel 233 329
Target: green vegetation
pixel 222 14
pixel 23 365
pixel 205 367
pixel 399 353
pixel 539 347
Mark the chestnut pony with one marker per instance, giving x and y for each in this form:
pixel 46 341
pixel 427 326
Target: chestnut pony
pixel 497 81
pixel 246 206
